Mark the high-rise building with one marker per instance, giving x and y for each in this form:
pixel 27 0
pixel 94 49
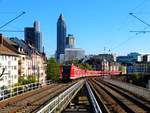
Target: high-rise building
pixel 70 41
pixel 74 54
pixel 33 36
pixel 61 37
pixel 37 26
pixel 29 35
pixel 38 41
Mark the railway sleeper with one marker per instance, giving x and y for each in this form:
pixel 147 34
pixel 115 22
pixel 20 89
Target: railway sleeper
pixel 137 101
pixel 101 103
pixel 111 104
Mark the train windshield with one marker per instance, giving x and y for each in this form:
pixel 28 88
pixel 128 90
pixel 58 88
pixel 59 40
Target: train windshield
pixel 66 70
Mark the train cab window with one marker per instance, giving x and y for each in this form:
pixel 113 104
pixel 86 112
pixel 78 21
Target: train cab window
pixel 66 70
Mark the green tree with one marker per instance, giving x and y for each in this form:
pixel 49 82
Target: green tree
pixel 28 80
pixel 53 69
pixel 85 66
pixel 89 67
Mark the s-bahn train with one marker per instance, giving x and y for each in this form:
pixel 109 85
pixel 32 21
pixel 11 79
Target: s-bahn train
pixel 69 72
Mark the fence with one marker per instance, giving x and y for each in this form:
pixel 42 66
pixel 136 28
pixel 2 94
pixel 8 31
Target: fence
pixel 60 102
pixel 13 91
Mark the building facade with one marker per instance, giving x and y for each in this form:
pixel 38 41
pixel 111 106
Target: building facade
pixel 61 37
pixel 19 59
pixel 140 67
pixel 31 62
pixel 130 58
pixel 74 54
pixel 33 36
pixel 8 63
pixel 146 58
pixel 70 41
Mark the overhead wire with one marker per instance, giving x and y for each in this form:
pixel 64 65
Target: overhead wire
pixel 122 43
pixel 129 38
pixel 139 5
pixel 10 25
pixel 3 12
pixel 11 20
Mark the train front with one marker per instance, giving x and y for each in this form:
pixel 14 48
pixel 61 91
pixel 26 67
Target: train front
pixel 66 71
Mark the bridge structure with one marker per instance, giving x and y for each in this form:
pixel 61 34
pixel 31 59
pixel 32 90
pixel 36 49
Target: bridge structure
pixel 86 95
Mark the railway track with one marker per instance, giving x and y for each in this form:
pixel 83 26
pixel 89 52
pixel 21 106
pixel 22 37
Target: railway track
pixel 115 100
pixel 32 101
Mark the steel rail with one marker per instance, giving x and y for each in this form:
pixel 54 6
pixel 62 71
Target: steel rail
pixel 95 104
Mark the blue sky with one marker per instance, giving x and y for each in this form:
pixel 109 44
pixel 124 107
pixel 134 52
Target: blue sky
pixel 95 23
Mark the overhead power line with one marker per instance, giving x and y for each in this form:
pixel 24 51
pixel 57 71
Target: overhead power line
pixel 12 20
pixel 121 43
pixel 140 4
pixel 139 19
pixel 11 31
pixel 140 31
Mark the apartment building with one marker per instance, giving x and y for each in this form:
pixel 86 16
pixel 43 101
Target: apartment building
pixel 17 58
pixel 8 63
pixel 31 61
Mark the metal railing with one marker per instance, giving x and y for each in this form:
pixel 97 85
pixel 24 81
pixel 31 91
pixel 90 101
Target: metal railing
pixel 139 91
pixel 95 104
pixel 13 91
pixel 59 103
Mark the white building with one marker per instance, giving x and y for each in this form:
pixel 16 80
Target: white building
pixel 38 67
pixel 144 58
pixel 19 60
pixel 8 64
pixel 31 62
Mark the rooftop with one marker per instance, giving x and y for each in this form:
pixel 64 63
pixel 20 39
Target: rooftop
pixel 6 51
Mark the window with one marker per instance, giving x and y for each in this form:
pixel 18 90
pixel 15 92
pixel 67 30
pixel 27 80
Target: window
pixel 15 77
pixel 15 67
pixel 23 58
pixel 9 63
pixel 5 77
pixel 2 57
pixel 9 82
pixel 9 76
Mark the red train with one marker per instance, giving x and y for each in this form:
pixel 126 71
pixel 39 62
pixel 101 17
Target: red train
pixel 69 72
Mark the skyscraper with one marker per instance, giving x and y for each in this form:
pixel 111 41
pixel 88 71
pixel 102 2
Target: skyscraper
pixel 61 37
pixel 70 41
pixel 33 36
pixel 29 35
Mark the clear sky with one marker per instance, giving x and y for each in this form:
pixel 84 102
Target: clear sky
pixel 95 23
